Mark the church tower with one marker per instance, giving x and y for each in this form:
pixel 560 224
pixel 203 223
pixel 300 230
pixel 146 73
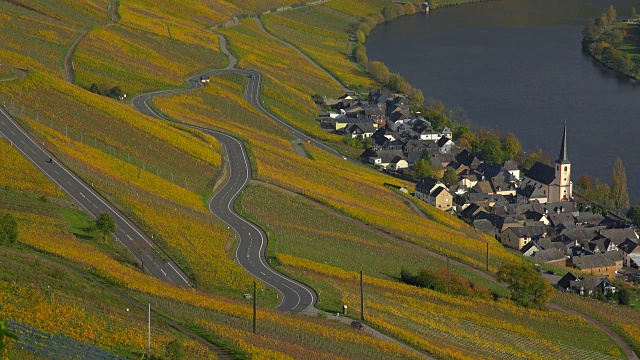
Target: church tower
pixel 563 174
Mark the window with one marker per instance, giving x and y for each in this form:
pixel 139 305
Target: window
pixel 558 167
pixel 565 168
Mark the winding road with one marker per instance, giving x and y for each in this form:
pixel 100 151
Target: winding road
pixel 252 240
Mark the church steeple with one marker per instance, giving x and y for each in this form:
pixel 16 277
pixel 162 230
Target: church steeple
pixel 563 159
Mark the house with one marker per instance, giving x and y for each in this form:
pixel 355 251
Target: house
pixel 516 237
pixel 446 132
pixel 465 157
pixel 618 236
pixel 564 283
pixel 555 181
pixel 529 249
pixel 512 167
pixel 381 158
pixel 531 193
pixel 484 225
pixel 360 130
pixel 398 163
pixel 596 264
pixel 631 253
pixel 551 256
pixel 441 198
pixel 471 213
pixel 588 285
pixel 445 145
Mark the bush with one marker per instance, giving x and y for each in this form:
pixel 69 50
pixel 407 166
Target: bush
pixel 8 229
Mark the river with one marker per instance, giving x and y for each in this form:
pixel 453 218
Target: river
pixel 517 65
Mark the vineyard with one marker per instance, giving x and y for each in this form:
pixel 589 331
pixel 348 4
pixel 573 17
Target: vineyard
pixel 64 288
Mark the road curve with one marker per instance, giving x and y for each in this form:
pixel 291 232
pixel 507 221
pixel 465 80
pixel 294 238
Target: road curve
pixel 129 235
pixel 252 240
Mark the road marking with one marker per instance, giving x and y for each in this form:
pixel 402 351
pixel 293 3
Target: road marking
pixel 165 274
pixel 81 194
pixel 263 273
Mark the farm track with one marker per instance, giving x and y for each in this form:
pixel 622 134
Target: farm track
pixel 261 26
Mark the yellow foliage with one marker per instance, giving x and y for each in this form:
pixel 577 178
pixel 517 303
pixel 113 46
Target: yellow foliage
pixel 16 172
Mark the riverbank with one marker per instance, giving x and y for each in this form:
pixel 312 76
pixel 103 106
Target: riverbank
pixel 614 44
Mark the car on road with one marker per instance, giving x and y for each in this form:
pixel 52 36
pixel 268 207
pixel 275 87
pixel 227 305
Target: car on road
pixel 551 272
pixel 357 325
pixel 250 76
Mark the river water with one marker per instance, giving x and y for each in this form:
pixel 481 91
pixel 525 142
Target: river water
pixel 517 65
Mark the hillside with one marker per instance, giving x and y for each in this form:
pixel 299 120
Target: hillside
pixel 327 219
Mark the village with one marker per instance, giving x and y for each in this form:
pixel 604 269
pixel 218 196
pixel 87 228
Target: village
pixel 532 212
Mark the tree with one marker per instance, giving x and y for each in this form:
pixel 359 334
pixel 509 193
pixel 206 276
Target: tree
pixel 527 287
pixel 437 119
pixel 585 186
pixel 537 155
pixel 616 38
pixel 395 80
pixel 511 146
pixel 489 148
pixel 174 350
pixel 435 105
pixel 633 214
pixel 417 99
pixel 8 229
pixel 602 21
pixel 619 194
pixel 105 224
pixel 115 92
pixel 379 71
pixel 5 333
pixel 360 53
pixel 602 194
pixel 623 296
pixel 360 37
pixel 611 15
pixel 634 13
pixel 450 178
pixel 422 168
pixel 94 88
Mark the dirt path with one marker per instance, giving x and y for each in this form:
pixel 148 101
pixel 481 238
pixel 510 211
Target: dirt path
pixel 626 348
pixel 340 85
pixel 19 74
pixel 68 64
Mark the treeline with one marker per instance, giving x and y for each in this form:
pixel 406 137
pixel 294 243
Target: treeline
pixel 445 281
pixel 602 36
pixel 376 69
pixel 605 197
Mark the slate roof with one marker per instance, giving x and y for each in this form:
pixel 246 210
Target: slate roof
pixel 588 217
pixel 465 157
pixel 427 184
pixel 547 255
pixel 557 219
pixel 442 141
pixel 437 191
pixel 565 282
pixel 541 173
pixel 615 255
pixel 581 234
pixel 527 231
pixel 484 225
pixel 586 262
pixel 490 170
pixel 628 246
pixel 368 153
pixel 388 155
pixel 532 192
pixel 510 165
pixel 618 236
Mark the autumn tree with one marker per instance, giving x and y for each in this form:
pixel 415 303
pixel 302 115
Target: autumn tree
pixel 379 71
pixel 511 146
pixel 450 178
pixel 423 168
pixel 360 53
pixel 611 15
pixel 416 96
pixel 537 155
pixel 619 194
pixel 105 224
pixel 585 187
pixel 527 287
pixel 489 147
pixel 602 194
pixel 8 229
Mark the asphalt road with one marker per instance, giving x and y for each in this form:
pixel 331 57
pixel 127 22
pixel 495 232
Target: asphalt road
pixel 252 240
pixel 138 244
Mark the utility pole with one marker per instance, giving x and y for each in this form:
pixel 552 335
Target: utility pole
pixel 487 265
pixel 361 298
pixel 149 337
pixel 255 307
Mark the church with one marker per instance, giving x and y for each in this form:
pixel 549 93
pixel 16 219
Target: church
pixel 546 183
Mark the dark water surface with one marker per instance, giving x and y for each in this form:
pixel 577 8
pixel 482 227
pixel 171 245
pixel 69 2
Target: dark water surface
pixel 516 65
